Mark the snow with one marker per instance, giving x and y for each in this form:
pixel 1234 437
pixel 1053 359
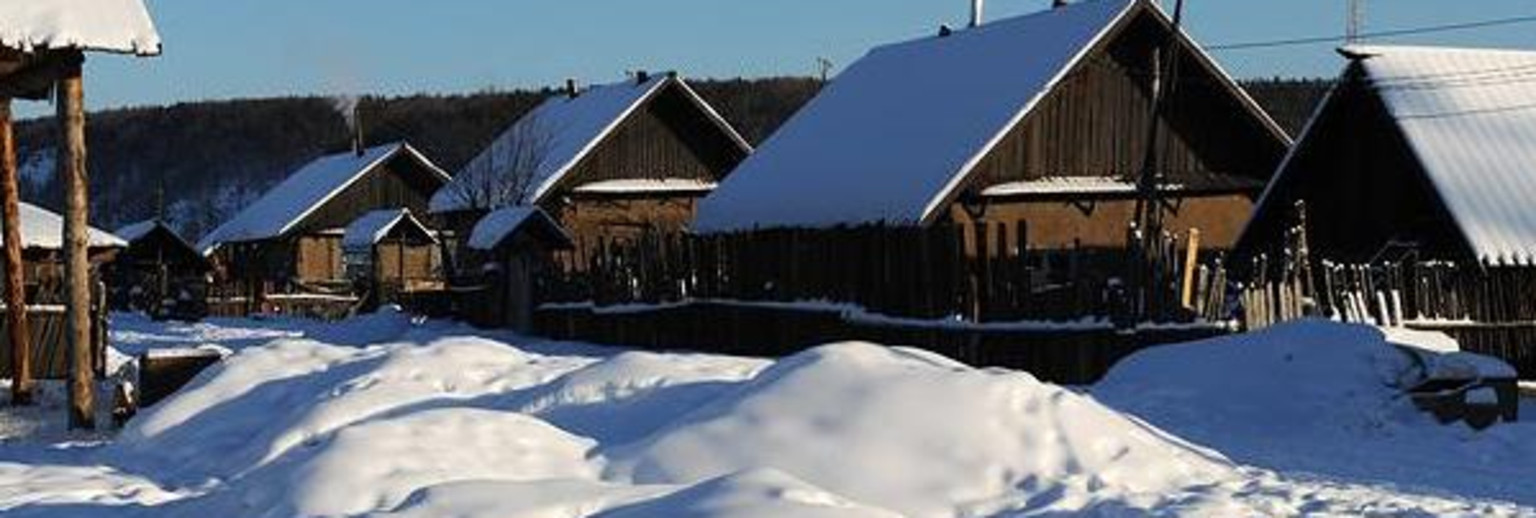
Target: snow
pixel 41 228
pixel 500 224
pixel 563 130
pixel 134 231
pixel 902 127
pixel 122 26
pixel 385 415
pixel 1469 116
pixel 647 186
pixel 287 204
pixel 368 229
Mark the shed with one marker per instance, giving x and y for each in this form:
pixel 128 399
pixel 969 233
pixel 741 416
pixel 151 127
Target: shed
pixel 606 162
pixel 1428 151
pixel 292 236
pixel 512 249
pixel 390 252
pixel 158 272
pixel 1040 118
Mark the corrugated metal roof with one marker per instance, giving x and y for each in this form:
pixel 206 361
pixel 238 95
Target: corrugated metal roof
pixel 1470 116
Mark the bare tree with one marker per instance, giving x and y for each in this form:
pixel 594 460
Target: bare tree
pixel 508 171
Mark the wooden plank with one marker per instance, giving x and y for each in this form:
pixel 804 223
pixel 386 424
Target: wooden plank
pixel 15 296
pixel 72 168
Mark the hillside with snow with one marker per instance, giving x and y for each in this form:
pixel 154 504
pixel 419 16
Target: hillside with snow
pixel 385 416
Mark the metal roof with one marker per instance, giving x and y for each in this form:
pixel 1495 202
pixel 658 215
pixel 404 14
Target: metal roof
pixel 1470 117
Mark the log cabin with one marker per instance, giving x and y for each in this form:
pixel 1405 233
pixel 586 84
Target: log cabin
pixel 292 236
pixel 157 272
pixel 1418 151
pixel 606 162
pixel 1039 120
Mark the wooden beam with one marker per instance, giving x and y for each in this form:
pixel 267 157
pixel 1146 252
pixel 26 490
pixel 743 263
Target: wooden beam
pixel 32 76
pixel 22 385
pixel 77 272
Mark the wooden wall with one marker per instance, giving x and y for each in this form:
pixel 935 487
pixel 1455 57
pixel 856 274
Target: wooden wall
pixel 1102 223
pixel 590 220
pixel 1095 123
pixel 318 258
pixel 399 183
pixel 1362 185
pixel 668 138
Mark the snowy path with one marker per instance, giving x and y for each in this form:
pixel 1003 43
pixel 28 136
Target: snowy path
pixel 382 416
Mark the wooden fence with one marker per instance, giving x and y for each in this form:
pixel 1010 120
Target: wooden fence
pixel 244 299
pixel 46 325
pixel 975 273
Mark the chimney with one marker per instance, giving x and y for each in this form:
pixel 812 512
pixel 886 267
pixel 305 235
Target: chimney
pixel 358 142
pixel 570 89
pixel 1058 4
pixel 642 77
pixel 976 12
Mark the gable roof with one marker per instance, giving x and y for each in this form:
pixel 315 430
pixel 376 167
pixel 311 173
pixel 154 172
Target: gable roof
pixel 897 133
pixel 501 224
pixel 568 129
pixel 121 26
pixel 131 233
pixel 1469 118
pixel 306 190
pixel 43 229
pixel 370 228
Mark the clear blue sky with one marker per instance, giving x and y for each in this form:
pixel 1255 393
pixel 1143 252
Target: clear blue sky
pixel 242 48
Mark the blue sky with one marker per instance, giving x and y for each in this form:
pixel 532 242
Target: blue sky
pixel 242 48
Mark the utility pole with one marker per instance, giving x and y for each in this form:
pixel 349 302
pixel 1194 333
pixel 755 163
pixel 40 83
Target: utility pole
pixel 1146 232
pixel 1356 24
pixel 824 66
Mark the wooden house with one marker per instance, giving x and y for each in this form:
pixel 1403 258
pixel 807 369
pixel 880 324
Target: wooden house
pixel 42 233
pixel 389 252
pixel 606 162
pixel 158 272
pixel 1039 121
pixel 292 236
pixel 1417 153
pixel 511 248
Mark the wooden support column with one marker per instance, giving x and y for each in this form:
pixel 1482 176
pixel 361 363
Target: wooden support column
pixel 71 164
pixel 22 384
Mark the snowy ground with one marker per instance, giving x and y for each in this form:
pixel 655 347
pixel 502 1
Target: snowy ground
pixel 383 416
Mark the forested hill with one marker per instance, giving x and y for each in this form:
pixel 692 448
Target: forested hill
pixel 205 161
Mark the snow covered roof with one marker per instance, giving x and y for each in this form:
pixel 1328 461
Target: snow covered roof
pixel 296 197
pixel 133 232
pixel 1470 117
pixel 503 223
pixel 122 26
pixel 43 229
pixel 897 132
pixel 567 129
pixel 646 185
pixel 368 230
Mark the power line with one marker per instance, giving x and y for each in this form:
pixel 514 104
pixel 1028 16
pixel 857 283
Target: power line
pixel 1373 35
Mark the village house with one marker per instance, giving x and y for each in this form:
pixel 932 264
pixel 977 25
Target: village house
pixel 606 162
pixel 1039 121
pixel 1417 151
pixel 158 272
pixel 293 236
pixel 513 247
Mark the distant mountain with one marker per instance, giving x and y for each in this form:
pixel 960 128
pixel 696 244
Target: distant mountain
pixel 205 161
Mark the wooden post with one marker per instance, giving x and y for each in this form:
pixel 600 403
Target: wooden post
pixel 1191 262
pixel 15 281
pixel 71 164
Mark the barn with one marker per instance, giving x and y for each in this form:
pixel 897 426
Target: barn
pixel 158 272
pixel 1039 120
pixel 607 162
pixel 1417 150
pixel 389 253
pixel 292 237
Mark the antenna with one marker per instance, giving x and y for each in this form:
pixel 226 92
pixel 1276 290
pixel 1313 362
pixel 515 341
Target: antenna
pixel 1356 24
